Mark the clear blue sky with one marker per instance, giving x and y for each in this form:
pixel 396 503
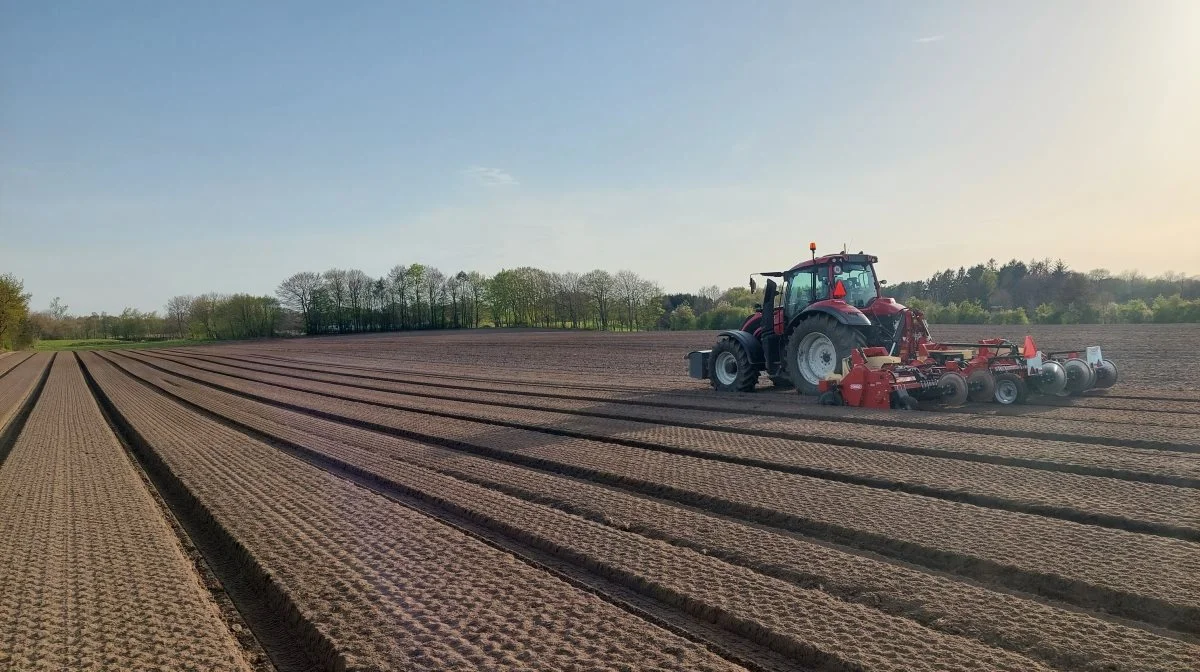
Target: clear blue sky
pixel 149 149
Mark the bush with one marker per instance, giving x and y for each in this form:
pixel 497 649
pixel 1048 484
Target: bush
pixel 1164 309
pixel 1046 314
pixel 724 316
pixel 682 318
pixel 947 314
pixel 1134 311
pixel 970 312
pixel 1013 316
pixel 923 305
pixel 1175 308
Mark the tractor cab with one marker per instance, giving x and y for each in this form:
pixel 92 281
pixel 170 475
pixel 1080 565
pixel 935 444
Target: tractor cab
pixel 843 278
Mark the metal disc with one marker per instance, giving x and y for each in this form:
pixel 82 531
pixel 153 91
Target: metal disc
pixel 1080 376
pixel 1106 374
pixel 1052 379
pixel 981 386
pixel 954 389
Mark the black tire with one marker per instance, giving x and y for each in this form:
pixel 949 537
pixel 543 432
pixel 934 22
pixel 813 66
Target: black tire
pixel 731 368
pixel 1011 389
pixel 830 398
pixel 844 338
pixel 782 382
pixel 906 403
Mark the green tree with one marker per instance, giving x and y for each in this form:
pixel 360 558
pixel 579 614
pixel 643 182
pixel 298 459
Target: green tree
pixel 971 312
pixel 14 313
pixel 724 316
pixel 1046 314
pixel 682 318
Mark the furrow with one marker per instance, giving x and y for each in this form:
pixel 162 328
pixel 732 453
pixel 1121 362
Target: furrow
pixel 18 395
pixel 1134 464
pixel 1056 636
pixel 1089 414
pixel 378 583
pixel 10 361
pixel 807 625
pixel 1151 407
pixel 1159 509
pixel 93 574
pixel 1148 578
pixel 1168 438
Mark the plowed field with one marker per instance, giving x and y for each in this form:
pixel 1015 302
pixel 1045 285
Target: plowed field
pixel 557 500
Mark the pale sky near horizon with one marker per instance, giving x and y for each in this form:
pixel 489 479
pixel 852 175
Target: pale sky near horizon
pixel 151 149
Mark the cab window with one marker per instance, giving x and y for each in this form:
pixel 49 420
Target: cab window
pixel 805 287
pixel 859 281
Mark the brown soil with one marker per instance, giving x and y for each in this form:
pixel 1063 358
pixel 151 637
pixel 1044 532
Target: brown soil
pixel 521 500
pixel 1091 564
pixel 92 575
pixel 1057 636
pixel 1121 504
pixel 380 584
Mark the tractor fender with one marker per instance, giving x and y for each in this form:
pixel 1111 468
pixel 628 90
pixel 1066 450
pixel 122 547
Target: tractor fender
pixel 749 343
pixel 846 315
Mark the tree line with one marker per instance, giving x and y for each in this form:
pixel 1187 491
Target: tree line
pixel 418 296
pixel 415 296
pixel 208 317
pixel 1049 292
pixel 423 297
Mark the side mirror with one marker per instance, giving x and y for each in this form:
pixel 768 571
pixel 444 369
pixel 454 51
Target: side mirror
pixel 883 283
pixel 753 285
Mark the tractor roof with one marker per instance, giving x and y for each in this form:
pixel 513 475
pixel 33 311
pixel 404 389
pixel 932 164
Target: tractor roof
pixel 830 258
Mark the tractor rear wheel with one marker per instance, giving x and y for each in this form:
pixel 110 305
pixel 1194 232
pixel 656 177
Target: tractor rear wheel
pixel 816 349
pixel 731 368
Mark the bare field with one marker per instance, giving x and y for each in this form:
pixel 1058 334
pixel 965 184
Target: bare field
pixel 563 500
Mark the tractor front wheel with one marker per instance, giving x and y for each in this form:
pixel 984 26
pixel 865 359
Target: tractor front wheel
pixel 731 368
pixel 816 349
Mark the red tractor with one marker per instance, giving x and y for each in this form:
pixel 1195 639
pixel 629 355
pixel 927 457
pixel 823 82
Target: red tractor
pixel 831 317
pixel 828 307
